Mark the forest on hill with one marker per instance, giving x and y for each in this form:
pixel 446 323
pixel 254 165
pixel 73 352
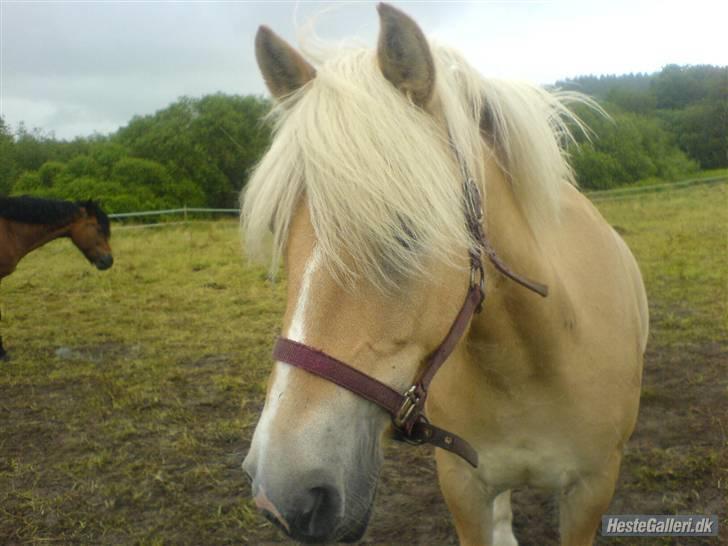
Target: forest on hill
pixel 664 125
pixel 199 152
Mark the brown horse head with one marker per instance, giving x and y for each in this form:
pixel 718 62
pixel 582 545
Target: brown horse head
pixel 90 232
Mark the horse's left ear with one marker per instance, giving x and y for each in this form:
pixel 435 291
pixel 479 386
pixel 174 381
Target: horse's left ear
pixel 404 55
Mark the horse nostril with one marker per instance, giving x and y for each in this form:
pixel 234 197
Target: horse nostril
pixel 307 516
pixel 318 512
pixel 310 514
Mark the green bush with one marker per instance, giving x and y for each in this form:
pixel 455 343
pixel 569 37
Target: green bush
pixel 133 172
pixel 628 148
pixel 82 165
pixel 29 183
pixel 112 195
pixel 107 154
pixel 594 169
pixel 50 172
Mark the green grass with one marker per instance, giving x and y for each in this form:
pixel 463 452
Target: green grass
pixel 677 458
pixel 680 239
pixel 132 394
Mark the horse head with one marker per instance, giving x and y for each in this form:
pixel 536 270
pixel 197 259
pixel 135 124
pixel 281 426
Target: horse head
pixel 355 240
pixel 90 232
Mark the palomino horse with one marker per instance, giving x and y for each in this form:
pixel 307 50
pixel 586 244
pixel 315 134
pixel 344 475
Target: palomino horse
pixel 372 189
pixel 27 223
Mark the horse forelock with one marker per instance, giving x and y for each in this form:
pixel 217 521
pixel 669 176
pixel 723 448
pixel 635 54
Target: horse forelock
pixel 379 175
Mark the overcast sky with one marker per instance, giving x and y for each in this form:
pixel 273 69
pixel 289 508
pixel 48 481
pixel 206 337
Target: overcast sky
pixel 76 68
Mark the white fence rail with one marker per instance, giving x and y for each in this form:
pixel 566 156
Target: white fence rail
pixel 165 212
pixel 600 195
pixel 630 192
pixel 184 211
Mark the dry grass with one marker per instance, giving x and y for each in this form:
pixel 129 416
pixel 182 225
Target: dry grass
pixel 121 417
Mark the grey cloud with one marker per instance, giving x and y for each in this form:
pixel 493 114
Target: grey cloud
pixel 65 65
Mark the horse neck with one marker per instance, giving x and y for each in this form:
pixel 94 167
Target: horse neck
pixel 28 237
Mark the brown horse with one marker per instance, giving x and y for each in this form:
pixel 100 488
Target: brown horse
pixel 27 223
pixel 393 178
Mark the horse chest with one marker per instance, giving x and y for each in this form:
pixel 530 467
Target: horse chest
pixel 7 264
pixel 539 465
pixel 525 435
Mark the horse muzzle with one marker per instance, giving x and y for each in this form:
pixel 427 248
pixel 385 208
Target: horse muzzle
pixel 310 515
pixel 104 262
pixel 309 509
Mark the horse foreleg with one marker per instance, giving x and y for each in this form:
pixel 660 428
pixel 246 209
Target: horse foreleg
pixel 582 504
pixel 503 521
pixel 470 503
pixel 3 353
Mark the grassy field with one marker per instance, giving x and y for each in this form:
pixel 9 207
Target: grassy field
pixel 132 394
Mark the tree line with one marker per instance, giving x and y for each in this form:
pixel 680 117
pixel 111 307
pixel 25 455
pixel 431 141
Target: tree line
pixel 664 125
pixel 199 151
pixel 196 152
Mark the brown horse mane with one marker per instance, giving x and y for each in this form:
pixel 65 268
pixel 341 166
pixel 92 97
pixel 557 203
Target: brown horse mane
pixel 54 212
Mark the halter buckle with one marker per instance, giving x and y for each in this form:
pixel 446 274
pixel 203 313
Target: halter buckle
pixel 409 405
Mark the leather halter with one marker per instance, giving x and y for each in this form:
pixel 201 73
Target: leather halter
pixel 407 410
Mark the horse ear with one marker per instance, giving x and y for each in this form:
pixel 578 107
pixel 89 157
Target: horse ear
pixel 283 68
pixel 404 55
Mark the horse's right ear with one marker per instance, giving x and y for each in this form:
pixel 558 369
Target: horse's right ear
pixel 283 68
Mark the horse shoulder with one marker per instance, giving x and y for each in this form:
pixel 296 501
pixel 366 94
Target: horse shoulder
pixel 594 262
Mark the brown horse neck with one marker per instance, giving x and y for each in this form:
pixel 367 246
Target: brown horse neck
pixel 28 237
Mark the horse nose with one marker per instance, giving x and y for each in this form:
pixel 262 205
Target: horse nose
pixel 105 262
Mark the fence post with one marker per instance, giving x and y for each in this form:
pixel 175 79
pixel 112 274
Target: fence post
pixel 185 214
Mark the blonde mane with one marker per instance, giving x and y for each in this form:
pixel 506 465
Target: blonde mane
pixel 379 175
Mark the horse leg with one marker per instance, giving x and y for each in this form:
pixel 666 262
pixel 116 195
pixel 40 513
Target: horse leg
pixel 3 353
pixel 582 504
pixel 470 503
pixel 503 521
